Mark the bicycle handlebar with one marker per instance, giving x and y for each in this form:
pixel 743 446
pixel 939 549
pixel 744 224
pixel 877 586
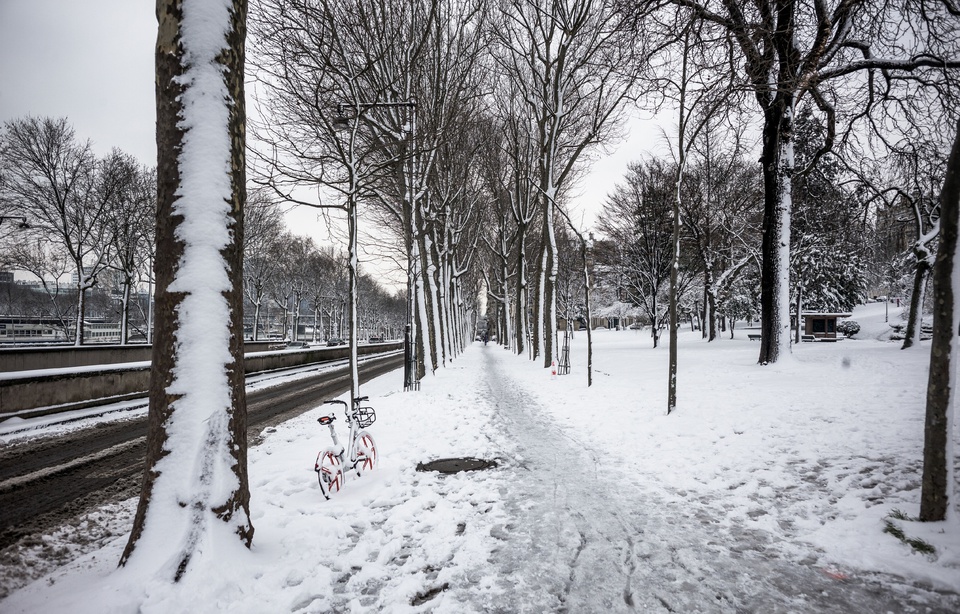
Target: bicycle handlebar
pixel 344 403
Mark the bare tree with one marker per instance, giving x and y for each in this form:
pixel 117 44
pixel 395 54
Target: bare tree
pixel 195 487
pixel 722 210
pixel 701 89
pixel 132 223
pixel 638 219
pixel 790 50
pixel 65 192
pixel 332 103
pixel 50 263
pixel 574 65
pixel 918 165
pixel 263 228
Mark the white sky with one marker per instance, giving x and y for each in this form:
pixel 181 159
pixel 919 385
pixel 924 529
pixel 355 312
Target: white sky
pixel 92 62
pixel 88 60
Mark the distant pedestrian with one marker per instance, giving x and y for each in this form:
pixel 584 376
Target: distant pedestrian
pixel 486 337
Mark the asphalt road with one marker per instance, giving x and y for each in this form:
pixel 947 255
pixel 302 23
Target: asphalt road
pixel 45 481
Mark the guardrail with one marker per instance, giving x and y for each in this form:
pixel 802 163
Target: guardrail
pixel 31 393
pixel 65 356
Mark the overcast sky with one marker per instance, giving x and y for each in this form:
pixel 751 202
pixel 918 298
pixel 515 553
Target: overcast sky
pixel 91 61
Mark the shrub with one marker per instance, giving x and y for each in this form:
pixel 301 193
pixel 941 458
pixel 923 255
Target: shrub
pixel 849 328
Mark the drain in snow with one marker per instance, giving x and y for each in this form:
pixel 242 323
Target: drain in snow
pixel 456 465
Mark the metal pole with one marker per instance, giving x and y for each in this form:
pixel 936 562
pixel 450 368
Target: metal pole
pixel 407 371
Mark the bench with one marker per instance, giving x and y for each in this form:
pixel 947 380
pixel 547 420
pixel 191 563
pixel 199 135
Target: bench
pixel 807 338
pixel 754 336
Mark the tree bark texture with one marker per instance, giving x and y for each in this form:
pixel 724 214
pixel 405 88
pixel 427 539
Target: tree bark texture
pixel 915 318
pixel 937 483
pixel 777 171
pixel 170 67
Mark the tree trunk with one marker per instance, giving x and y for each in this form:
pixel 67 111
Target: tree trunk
pixel 125 311
pixel 81 308
pixel 709 309
pixel 799 304
pixel 195 485
pixel 547 288
pixel 937 484
pixel 915 316
pixel 522 324
pixel 353 246
pixel 674 324
pixel 777 163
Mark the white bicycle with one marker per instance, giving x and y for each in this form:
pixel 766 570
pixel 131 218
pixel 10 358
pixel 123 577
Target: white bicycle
pixel 334 463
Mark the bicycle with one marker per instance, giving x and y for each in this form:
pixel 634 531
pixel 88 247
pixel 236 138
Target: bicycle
pixel 361 453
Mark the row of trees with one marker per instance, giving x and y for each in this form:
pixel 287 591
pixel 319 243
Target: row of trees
pixel 450 103
pixel 84 227
pixel 80 215
pixel 833 239
pixel 291 274
pixel 413 115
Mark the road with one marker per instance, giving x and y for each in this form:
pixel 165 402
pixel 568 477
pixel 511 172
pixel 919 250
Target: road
pixel 45 481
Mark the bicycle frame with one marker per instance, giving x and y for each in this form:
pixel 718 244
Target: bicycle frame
pixel 332 462
pixel 351 424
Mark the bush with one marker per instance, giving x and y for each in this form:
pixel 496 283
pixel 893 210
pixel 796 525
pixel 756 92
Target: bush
pixel 849 328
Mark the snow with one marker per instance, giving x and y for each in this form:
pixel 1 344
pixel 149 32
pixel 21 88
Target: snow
pixel 766 490
pixel 193 511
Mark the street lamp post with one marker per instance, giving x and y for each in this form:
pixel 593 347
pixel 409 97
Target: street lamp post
pixel 343 121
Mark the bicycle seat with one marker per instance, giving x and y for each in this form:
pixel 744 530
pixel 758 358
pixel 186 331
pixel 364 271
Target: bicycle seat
pixel 325 420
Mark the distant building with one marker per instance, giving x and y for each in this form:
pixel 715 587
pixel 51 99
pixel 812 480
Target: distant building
pixel 16 329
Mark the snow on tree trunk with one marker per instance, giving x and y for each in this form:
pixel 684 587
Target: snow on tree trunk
pixel 432 304
pixel 547 296
pixel 421 319
pixel 938 484
pixel 125 311
pixel 777 161
pixel 508 339
pixel 194 503
pixel 81 307
pixel 915 315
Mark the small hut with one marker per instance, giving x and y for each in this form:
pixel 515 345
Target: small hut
pixel 821 326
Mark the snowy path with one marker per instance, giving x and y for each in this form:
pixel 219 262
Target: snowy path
pixel 588 538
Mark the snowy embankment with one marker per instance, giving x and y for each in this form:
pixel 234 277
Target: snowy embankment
pixel 767 490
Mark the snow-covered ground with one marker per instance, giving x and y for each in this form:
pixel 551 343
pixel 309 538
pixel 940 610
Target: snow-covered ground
pixel 766 491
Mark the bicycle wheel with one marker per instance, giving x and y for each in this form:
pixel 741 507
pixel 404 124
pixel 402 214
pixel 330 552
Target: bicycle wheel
pixel 329 472
pixel 367 456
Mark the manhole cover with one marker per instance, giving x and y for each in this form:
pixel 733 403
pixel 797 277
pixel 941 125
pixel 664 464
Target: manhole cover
pixel 456 465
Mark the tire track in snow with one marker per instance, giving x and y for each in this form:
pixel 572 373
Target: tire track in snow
pixel 587 538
